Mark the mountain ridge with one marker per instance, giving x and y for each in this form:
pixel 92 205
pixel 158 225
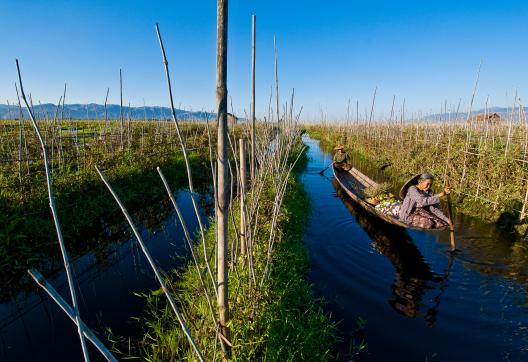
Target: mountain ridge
pixel 97 111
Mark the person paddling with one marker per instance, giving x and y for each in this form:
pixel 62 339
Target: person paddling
pixel 341 158
pixel 421 208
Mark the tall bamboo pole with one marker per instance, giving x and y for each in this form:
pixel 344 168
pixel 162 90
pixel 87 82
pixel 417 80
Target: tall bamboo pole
pixel 222 207
pixel 121 105
pixel 253 125
pixel 63 102
pixel 243 187
pixel 276 78
pixel 146 252
pixel 51 199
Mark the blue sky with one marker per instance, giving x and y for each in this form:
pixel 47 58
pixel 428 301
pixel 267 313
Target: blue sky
pixel 424 51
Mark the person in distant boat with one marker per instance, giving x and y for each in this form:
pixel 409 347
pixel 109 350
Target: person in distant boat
pixel 341 158
pixel 421 208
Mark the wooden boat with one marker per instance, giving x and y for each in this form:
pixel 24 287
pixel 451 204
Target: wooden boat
pixel 354 183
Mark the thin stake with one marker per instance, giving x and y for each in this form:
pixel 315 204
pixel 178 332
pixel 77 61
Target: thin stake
pixel 53 294
pixel 152 265
pixel 51 199
pixel 253 125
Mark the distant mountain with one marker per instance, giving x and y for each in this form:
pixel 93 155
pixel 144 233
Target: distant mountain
pixel 97 111
pixel 504 112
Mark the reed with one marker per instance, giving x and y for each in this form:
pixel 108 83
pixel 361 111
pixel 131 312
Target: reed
pixel 483 162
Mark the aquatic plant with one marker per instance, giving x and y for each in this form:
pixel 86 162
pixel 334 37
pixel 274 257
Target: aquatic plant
pixel 484 164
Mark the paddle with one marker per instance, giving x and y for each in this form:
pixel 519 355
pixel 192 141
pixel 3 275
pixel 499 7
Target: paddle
pixel 326 168
pixel 451 224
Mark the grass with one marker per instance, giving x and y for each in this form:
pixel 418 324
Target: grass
pixel 85 209
pixel 485 168
pixel 280 322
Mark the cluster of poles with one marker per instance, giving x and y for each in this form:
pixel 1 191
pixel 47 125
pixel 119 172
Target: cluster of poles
pixel 482 157
pixel 273 152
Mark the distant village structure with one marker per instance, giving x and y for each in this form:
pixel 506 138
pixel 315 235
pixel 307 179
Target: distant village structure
pixel 232 120
pixel 486 118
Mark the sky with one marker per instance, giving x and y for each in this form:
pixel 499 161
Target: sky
pixel 330 52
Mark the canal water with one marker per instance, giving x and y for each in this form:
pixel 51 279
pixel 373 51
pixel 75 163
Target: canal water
pixel 109 281
pixel 401 292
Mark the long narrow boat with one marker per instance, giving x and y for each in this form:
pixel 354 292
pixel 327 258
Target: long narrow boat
pixel 354 183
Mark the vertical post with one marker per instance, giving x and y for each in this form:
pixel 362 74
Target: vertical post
pixel 121 105
pixel 348 113
pixel 51 199
pixel 276 79
pixel 357 112
pixel 523 211
pixel 63 100
pixel 253 125
pixel 222 167
pixel 106 115
pixel 243 187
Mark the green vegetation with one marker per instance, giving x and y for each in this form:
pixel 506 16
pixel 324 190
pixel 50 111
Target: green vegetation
pixel 484 163
pixel 85 210
pixel 280 322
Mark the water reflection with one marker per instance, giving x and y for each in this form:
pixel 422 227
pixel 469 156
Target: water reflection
pixel 33 328
pixel 413 276
pixel 402 281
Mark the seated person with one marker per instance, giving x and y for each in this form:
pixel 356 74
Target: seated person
pixel 341 158
pixel 420 208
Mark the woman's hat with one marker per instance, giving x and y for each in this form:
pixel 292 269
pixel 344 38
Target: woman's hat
pixel 412 181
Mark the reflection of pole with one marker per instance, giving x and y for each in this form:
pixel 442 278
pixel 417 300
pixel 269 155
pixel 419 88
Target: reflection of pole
pixel 433 311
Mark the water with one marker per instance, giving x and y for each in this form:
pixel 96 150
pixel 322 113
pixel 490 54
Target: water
pixel 33 328
pixel 419 304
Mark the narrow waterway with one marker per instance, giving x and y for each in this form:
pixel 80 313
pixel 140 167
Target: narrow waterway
pixel 109 281
pixel 419 304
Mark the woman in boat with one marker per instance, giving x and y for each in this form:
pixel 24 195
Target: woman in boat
pixel 421 208
pixel 341 158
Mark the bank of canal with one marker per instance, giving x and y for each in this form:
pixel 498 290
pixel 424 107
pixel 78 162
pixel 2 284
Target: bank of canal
pixel 419 305
pixel 33 328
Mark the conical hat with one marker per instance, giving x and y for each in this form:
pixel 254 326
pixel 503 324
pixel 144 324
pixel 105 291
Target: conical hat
pixel 412 181
pixel 339 147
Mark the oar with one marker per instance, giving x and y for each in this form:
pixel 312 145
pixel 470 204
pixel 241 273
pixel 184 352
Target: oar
pixel 326 168
pixel 451 224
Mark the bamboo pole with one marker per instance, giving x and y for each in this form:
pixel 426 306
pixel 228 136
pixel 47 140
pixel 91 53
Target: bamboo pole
pixel 222 183
pixel 121 105
pixel 51 199
pixel 189 243
pixel 276 78
pixel 153 266
pixel 106 113
pixel 523 211
pixel 253 125
pixel 53 294
pixel 185 157
pixel 243 188
pixel 63 102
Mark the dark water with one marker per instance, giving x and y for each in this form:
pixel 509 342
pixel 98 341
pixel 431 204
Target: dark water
pixel 33 328
pixel 419 303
